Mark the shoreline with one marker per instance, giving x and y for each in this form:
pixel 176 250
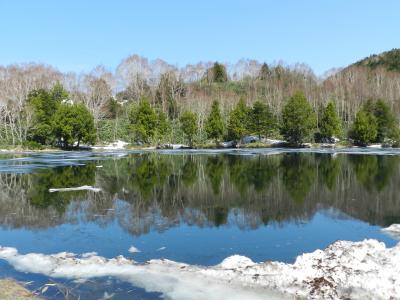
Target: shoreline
pixel 97 148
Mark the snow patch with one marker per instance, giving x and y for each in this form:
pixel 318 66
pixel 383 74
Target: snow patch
pixel 236 261
pixel 355 270
pixel 376 146
pixel 274 141
pixel 118 145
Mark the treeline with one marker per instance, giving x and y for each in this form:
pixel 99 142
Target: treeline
pixel 179 102
pixel 374 123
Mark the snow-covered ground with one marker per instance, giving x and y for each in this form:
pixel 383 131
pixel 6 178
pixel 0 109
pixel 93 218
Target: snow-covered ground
pixel 118 145
pixel 355 270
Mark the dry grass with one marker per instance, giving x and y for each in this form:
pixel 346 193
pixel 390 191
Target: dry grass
pixel 12 290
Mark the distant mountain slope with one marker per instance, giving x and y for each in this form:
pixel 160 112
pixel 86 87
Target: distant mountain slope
pixel 390 60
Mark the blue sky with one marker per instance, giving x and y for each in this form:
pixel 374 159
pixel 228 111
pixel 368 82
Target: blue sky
pixel 78 35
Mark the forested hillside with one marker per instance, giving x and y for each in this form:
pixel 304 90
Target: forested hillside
pixel 112 97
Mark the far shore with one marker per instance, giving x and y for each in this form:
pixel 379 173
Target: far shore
pixel 101 148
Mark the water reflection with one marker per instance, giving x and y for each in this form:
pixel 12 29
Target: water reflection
pixel 156 191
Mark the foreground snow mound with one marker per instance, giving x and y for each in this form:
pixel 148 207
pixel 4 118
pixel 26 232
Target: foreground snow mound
pixel 355 270
pixel 174 280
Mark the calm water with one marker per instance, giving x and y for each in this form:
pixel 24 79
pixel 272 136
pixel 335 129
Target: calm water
pixel 193 207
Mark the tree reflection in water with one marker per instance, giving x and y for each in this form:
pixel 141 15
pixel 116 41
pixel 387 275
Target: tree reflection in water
pixel 157 191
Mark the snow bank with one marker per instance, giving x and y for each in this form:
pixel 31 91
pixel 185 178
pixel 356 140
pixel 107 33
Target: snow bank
pixel 172 146
pixel 118 145
pixel 393 230
pixel 80 188
pixel 376 146
pixel 356 270
pixel 274 141
pixel 174 280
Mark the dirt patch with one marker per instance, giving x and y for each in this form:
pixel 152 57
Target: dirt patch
pixel 12 290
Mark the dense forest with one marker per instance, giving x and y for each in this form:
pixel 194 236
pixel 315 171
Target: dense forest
pixel 155 102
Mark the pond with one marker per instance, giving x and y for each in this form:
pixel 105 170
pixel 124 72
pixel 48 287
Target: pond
pixel 196 207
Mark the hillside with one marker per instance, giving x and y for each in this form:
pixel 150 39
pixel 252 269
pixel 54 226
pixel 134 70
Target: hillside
pixel 389 60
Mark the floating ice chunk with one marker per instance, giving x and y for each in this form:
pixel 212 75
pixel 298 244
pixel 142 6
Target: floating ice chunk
pixel 161 248
pixel 7 252
pixel 393 230
pixel 133 249
pixel 107 296
pixel 80 188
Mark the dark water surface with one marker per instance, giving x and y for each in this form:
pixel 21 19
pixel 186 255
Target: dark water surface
pixel 193 207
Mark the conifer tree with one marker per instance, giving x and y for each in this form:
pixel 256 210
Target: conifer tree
pixel 261 120
pixel 74 123
pixel 144 121
pixel 163 126
pixel 219 73
pixel 265 72
pixel 189 125
pixel 298 119
pixel 330 124
pixel 238 121
pixel 386 121
pixel 365 128
pixel 214 125
pixel 43 104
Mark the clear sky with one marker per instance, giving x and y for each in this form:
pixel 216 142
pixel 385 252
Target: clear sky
pixel 76 35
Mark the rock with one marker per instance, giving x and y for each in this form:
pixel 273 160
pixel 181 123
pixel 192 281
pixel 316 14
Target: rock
pixel 250 139
pixel 173 146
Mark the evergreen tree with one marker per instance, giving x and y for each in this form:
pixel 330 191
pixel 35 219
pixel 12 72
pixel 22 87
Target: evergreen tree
pixel 298 119
pixel 144 121
pixel 74 123
pixel 189 125
pixel 219 73
pixel 386 121
pixel 43 104
pixel 58 93
pixel 365 128
pixel 163 126
pixel 214 124
pixel 261 120
pixel 265 72
pixel 330 123
pixel 238 121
